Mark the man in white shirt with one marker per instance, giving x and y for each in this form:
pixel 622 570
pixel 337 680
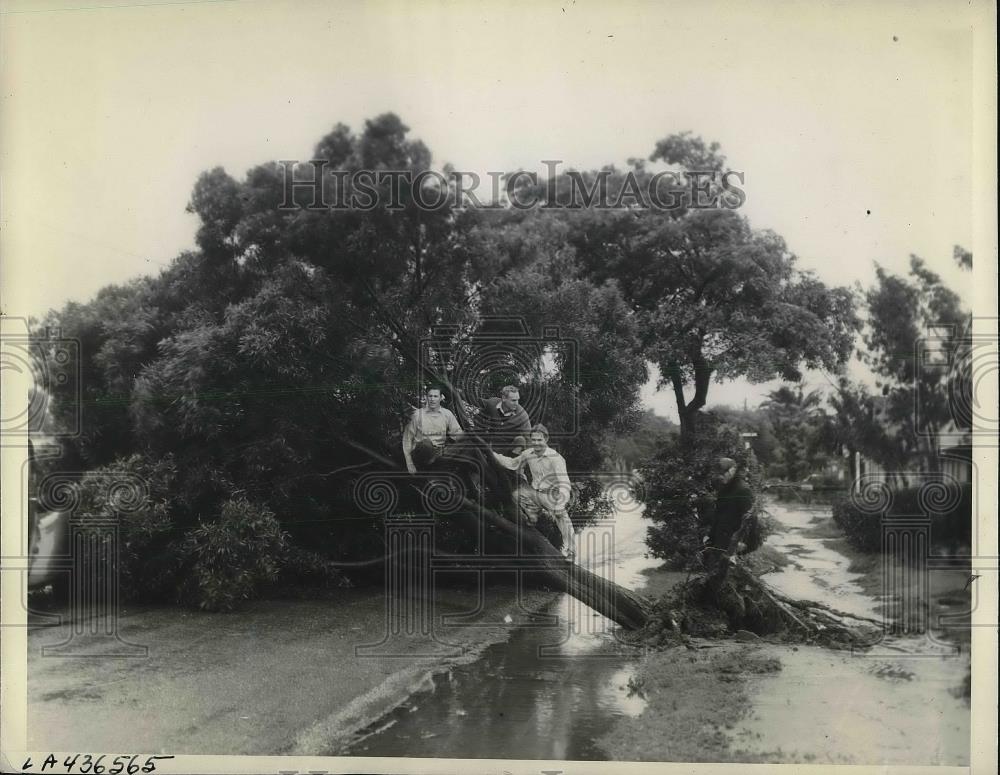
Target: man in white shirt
pixel 550 488
pixel 428 431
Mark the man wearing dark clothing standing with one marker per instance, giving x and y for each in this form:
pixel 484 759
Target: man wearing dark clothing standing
pixel 730 525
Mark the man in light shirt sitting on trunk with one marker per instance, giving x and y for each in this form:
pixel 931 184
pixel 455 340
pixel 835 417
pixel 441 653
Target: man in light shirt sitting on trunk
pixel 427 432
pixel 549 489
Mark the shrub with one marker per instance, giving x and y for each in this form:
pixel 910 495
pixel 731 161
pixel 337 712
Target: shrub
pixel 301 568
pixel 164 555
pixel 136 492
pixel 948 507
pixel 680 489
pixel 234 556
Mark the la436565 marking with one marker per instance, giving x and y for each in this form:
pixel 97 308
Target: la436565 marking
pixel 86 764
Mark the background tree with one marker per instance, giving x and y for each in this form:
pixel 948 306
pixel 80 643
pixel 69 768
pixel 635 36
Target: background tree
pixel 766 445
pixel 797 418
pixel 917 331
pixel 633 448
pixel 717 299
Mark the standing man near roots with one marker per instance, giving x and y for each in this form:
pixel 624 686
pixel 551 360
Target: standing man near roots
pixel 731 523
pixel 549 489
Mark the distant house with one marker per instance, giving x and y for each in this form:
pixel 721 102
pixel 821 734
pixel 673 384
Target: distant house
pixel 954 454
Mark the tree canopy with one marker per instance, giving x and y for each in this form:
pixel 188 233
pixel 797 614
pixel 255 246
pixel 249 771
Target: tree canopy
pixel 717 298
pixel 259 361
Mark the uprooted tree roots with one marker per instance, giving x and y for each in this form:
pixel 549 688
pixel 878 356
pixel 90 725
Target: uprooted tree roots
pixel 745 602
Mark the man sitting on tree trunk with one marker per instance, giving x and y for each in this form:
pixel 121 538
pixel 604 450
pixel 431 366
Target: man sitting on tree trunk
pixel 549 489
pixel 426 437
pixel 731 523
pixel 504 419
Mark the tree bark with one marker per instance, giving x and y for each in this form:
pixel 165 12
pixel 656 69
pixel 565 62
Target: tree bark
pixel 687 411
pixel 623 606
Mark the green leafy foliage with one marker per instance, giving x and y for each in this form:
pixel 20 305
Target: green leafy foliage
pixel 797 418
pixel 638 443
pixel 233 556
pixel 917 332
pixel 717 298
pixel 140 495
pixel 256 361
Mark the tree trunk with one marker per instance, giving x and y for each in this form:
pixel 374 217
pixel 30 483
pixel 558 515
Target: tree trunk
pixel 687 411
pixel 623 606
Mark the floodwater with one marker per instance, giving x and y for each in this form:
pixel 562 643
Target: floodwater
pixel 547 693
pixel 815 572
pixel 893 703
pixel 551 691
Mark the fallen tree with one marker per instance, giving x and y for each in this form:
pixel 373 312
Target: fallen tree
pixel 538 556
pixel 501 513
pixel 743 600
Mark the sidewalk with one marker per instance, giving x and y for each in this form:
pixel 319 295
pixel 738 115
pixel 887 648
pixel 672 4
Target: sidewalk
pixel 277 677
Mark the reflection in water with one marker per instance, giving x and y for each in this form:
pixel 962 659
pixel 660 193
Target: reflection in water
pixel 510 703
pixel 547 693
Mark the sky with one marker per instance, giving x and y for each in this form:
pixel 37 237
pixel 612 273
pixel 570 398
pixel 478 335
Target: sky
pixel 852 122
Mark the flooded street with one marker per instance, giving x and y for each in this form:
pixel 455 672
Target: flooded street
pixel 552 692
pixel 815 572
pixel 894 703
pixel 547 693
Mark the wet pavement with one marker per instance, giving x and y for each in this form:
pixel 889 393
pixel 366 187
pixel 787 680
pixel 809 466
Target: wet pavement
pixel 895 702
pixel 547 693
pixel 283 677
pixel 815 572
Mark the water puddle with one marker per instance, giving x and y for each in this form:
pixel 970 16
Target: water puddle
pixel 547 693
pixel 550 692
pixel 510 703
